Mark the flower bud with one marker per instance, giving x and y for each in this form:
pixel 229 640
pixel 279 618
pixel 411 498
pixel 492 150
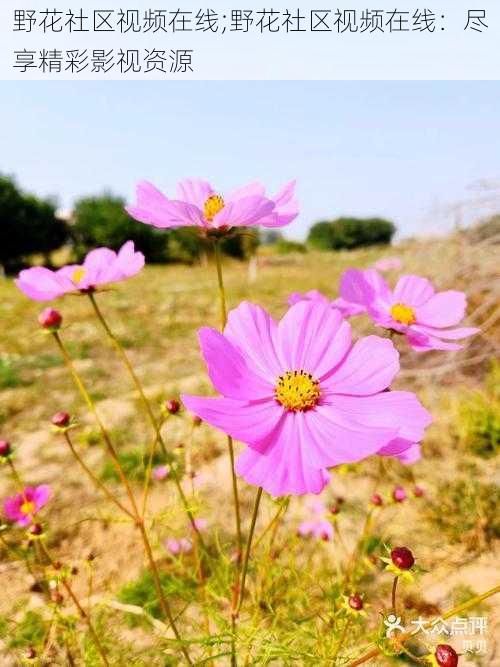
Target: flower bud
pixel 356 602
pixel 172 406
pixel 50 319
pixel 5 449
pixel 196 421
pixel 399 494
pixel 376 500
pixel 30 653
pixel 35 529
pixel 61 419
pixel 334 509
pixel 418 492
pixel 402 557
pixel 446 656
pixel 56 597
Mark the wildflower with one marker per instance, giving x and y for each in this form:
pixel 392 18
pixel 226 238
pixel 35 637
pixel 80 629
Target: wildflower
pixel 199 205
pixel 402 558
pixel 344 307
pixel 399 494
pixel 388 264
pixel 160 472
pixel 23 506
pixel 101 266
pixel 413 308
pixel 5 449
pixel 302 396
pixel 176 547
pixel 317 525
pixel 446 656
pixel 355 602
pixel 50 319
pixel 61 419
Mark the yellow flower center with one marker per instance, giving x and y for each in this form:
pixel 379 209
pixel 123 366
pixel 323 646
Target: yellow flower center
pixel 212 206
pixel 78 275
pixel 297 390
pixel 28 507
pixel 403 314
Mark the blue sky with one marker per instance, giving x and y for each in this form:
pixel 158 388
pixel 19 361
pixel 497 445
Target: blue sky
pixel 404 150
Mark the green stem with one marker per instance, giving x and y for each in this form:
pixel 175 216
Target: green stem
pixel 135 511
pixel 81 610
pixel 393 594
pixel 149 412
pixel 342 638
pixel 248 548
pixel 94 478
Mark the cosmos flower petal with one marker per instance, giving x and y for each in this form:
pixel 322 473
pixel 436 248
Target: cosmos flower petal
pixel 404 450
pixel 153 208
pixel 194 191
pixel 362 287
pixel 244 212
pixel 312 295
pixel 42 284
pixel 399 410
pixel 425 343
pixel 254 189
pixel 228 370
pixel 413 290
pixel 286 207
pixel 282 471
pixel 253 423
pixel 369 367
pixel 330 438
pixel 97 266
pixel 447 334
pixel 313 337
pixel 444 309
pixel 254 332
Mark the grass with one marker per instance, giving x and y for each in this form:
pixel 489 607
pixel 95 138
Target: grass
pixel 294 613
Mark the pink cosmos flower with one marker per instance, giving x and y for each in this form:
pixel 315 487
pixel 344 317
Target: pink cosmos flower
pixel 22 507
pixel 413 308
pixel 302 396
pixel 346 308
pixel 317 525
pixel 197 204
pixel 388 264
pixel 101 266
pixel 176 547
pixel 160 473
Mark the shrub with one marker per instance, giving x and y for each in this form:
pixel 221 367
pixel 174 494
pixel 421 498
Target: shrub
pixel 28 225
pixel 285 247
pixel 350 233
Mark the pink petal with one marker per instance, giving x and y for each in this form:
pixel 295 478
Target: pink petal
pixel 287 207
pixel 194 191
pixel 97 265
pixel 254 332
pixel 128 261
pixel 368 368
pixel 252 423
pixel 425 343
pixel 312 295
pixel 413 290
pixel 346 308
pixel 41 495
pixel 228 371
pixel 42 284
pixel 443 309
pixel 447 334
pixel 243 212
pixel 254 189
pixel 313 337
pixel 399 410
pixel 153 208
pixel 282 471
pixel 362 287
pixel 330 437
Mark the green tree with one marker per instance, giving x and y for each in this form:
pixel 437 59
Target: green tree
pixel 103 221
pixel 28 225
pixel 350 233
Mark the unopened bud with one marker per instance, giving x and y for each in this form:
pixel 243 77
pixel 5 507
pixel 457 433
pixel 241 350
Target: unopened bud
pixel 50 319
